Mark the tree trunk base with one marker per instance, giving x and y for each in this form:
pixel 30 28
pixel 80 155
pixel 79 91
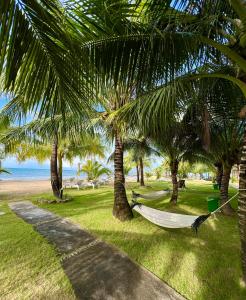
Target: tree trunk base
pixel 122 212
pixel 173 201
pixel 228 210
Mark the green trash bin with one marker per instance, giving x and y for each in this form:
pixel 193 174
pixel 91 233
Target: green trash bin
pixel 213 203
pixel 216 186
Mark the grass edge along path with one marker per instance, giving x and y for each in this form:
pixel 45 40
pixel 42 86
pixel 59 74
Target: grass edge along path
pixel 96 269
pixel 29 265
pixel 203 266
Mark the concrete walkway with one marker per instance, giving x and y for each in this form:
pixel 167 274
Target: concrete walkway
pixel 96 270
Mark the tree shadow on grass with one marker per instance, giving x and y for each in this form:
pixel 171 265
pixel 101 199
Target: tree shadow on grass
pixel 206 266
pixel 197 266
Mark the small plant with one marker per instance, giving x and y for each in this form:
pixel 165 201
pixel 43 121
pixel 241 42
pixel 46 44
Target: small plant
pixel 94 170
pixel 157 172
pixel 148 175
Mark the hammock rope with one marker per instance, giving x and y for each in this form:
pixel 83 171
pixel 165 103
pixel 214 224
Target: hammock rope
pixel 173 220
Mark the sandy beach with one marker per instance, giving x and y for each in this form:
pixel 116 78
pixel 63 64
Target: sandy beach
pixel 24 187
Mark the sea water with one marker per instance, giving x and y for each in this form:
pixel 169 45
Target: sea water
pixel 33 174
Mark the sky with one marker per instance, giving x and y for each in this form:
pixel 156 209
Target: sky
pixel 11 162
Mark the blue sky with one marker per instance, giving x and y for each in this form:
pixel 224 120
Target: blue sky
pixel 11 162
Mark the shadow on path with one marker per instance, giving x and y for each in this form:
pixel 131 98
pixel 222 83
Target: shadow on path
pixel 95 269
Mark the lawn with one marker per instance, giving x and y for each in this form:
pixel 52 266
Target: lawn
pixel 203 266
pixel 29 267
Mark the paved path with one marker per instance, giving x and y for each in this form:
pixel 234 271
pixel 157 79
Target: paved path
pixel 96 270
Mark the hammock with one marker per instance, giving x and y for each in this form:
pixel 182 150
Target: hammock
pixel 172 220
pixel 151 196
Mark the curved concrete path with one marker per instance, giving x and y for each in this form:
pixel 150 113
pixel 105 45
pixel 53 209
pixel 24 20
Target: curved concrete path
pixel 95 269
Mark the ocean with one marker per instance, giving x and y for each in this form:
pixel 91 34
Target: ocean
pixel 33 174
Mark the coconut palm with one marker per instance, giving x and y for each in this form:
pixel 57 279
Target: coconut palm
pixel 158 172
pixel 39 64
pixel 69 142
pixel 178 143
pixel 151 54
pixel 128 163
pixel 94 170
pixel 4 171
pixel 141 148
pixel 148 175
pixel 116 27
pixel 224 152
pixel 113 98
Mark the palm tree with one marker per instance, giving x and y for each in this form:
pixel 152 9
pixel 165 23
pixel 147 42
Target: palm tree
pixel 147 51
pixel 224 152
pixel 94 170
pixel 4 126
pixel 39 63
pixel 141 148
pixel 220 26
pixel 41 66
pixel 4 171
pixel 112 98
pixel 177 144
pixel 71 141
pixel 128 163
pixel 157 172
pixel 114 25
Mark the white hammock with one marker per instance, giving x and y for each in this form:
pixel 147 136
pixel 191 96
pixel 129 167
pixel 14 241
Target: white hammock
pixel 172 220
pixel 165 219
pixel 151 196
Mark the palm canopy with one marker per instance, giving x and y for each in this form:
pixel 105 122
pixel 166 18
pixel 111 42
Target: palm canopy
pixel 156 109
pixel 144 45
pixel 226 142
pixel 45 129
pixel 124 48
pixel 140 147
pixel 94 170
pixel 178 142
pixel 85 145
pixel 39 64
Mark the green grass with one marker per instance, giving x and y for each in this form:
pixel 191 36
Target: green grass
pixel 29 266
pixel 203 266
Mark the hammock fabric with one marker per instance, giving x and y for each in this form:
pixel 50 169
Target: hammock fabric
pixel 169 220
pixel 150 196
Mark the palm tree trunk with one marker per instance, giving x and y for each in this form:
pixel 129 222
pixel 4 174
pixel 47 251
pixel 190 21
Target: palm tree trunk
pixel 174 171
pixel 219 173
pixel 227 209
pixel 121 209
pixel 141 167
pixel 60 168
pixel 137 168
pixel 242 206
pixel 55 183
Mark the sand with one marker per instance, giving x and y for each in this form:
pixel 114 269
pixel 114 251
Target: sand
pixel 24 187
